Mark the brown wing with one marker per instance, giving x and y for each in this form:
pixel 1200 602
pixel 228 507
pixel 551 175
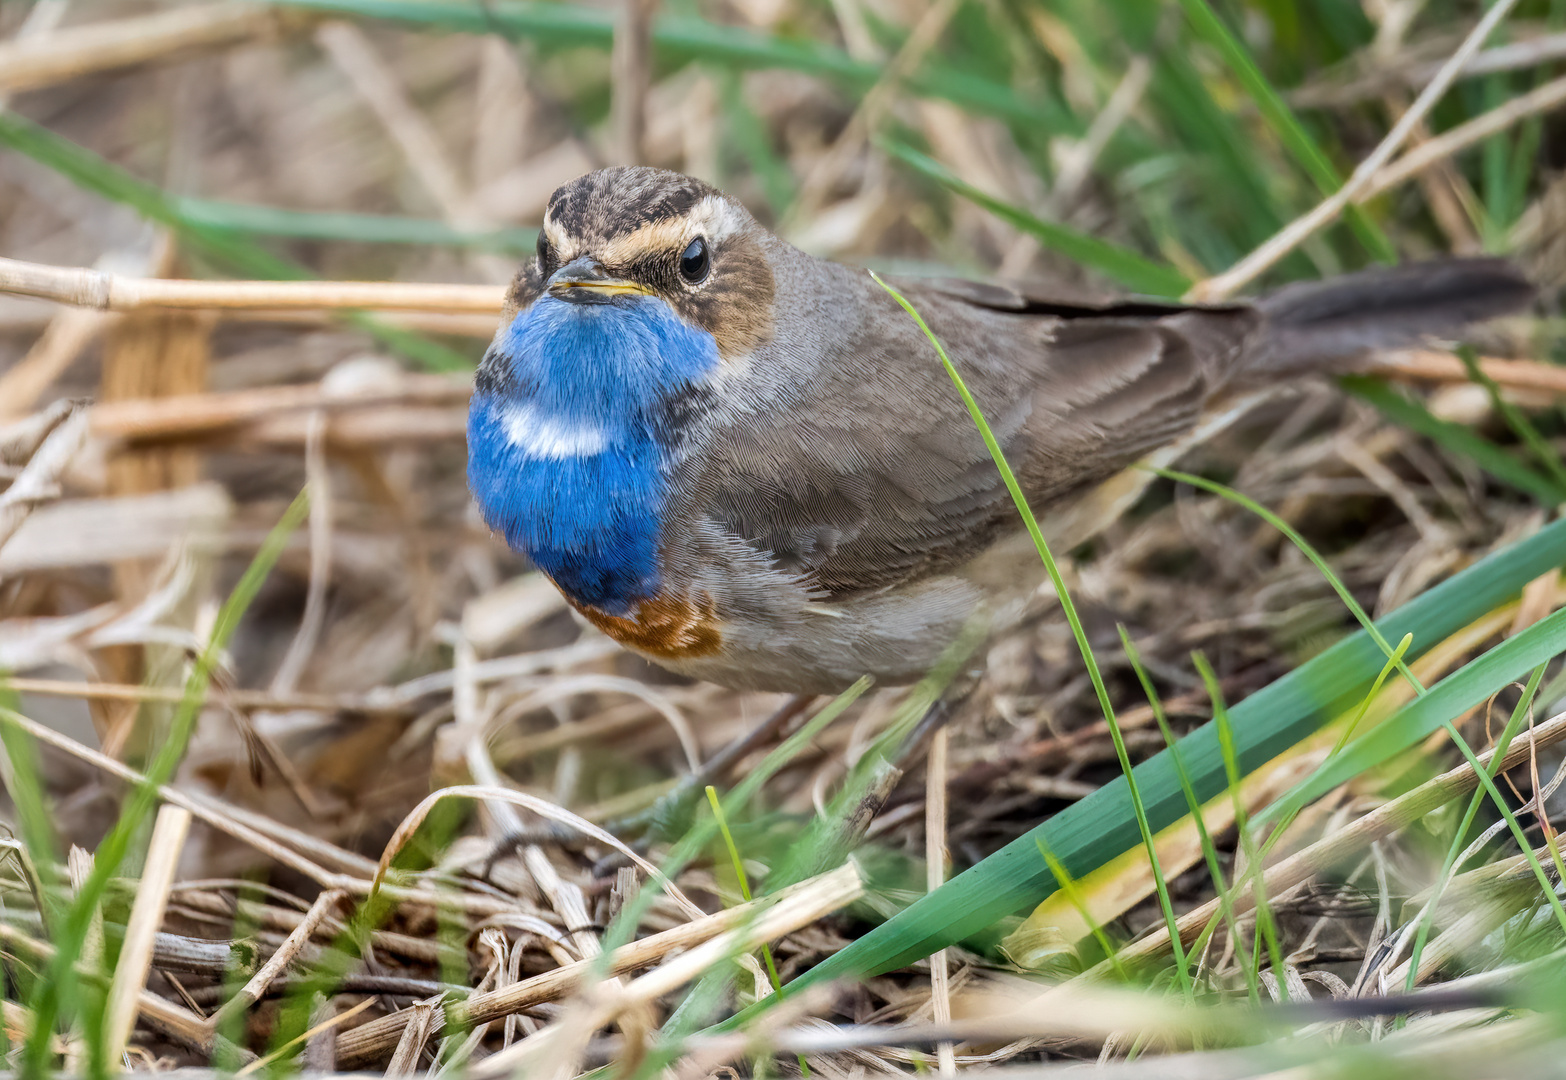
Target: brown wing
pixel 875 475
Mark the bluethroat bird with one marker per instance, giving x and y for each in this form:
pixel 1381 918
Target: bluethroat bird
pixel 748 465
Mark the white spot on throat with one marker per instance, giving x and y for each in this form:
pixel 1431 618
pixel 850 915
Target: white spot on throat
pixel 539 434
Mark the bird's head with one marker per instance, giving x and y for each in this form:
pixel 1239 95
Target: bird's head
pixel 631 237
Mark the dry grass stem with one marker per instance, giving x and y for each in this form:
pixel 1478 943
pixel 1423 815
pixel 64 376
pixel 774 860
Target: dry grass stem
pixel 790 912
pixel 120 43
pixel 1224 285
pixel 935 855
pixel 262 833
pixel 544 809
pixel 278 962
pixel 365 1043
pixel 152 896
pixel 1399 71
pixel 195 415
pixel 1539 100
pixel 872 110
pixel 242 700
pixel 325 1025
pixel 1353 838
pixel 42 477
pixel 380 91
pixel 68 333
pixel 105 291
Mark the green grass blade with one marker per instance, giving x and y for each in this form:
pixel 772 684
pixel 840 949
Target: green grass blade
pixel 744 883
pixel 234 217
pixel 825 843
pixel 1459 837
pixel 1266 927
pixel 1068 885
pixel 696 839
pixel 1104 824
pixel 1456 438
pixel 1394 658
pixel 1515 419
pixel 22 774
pixel 59 987
pixel 1068 606
pixel 1101 826
pixel 1193 807
pixel 1134 271
pixel 228 250
pixel 1283 121
pixel 1512 659
pixel 678 38
pixel 1305 548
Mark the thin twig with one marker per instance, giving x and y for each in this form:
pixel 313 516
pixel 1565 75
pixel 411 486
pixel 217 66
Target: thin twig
pixel 1481 127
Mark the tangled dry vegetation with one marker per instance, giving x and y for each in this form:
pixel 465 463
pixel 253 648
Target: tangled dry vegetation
pixel 395 648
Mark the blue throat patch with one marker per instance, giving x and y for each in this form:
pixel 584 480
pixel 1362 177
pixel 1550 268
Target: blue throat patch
pixel 571 442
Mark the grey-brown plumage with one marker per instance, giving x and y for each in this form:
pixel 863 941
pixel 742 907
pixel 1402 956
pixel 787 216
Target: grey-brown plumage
pixel 829 486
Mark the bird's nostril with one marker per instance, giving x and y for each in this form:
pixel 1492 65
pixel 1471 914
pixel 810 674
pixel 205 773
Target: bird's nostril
pixel 584 268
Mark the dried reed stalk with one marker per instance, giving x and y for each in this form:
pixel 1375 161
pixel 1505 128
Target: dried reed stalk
pixel 561 1041
pixel 106 291
pixel 366 1043
pixel 196 415
pixel 120 43
pixel 146 915
pixel 935 855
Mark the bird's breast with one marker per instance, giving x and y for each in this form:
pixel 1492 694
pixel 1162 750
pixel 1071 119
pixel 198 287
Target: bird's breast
pixel 575 431
pixel 583 500
pixel 586 504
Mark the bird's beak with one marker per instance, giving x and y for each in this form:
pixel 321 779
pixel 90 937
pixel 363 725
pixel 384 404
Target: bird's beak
pixel 583 281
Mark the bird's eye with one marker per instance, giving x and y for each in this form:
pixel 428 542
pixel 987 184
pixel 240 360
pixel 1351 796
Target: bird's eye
pixel 543 252
pixel 695 263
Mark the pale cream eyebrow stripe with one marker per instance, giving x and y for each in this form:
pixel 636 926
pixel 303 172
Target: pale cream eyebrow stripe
pixel 658 237
pixel 712 217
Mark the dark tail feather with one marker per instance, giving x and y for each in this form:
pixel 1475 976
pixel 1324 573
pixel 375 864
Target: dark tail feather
pixel 1333 324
